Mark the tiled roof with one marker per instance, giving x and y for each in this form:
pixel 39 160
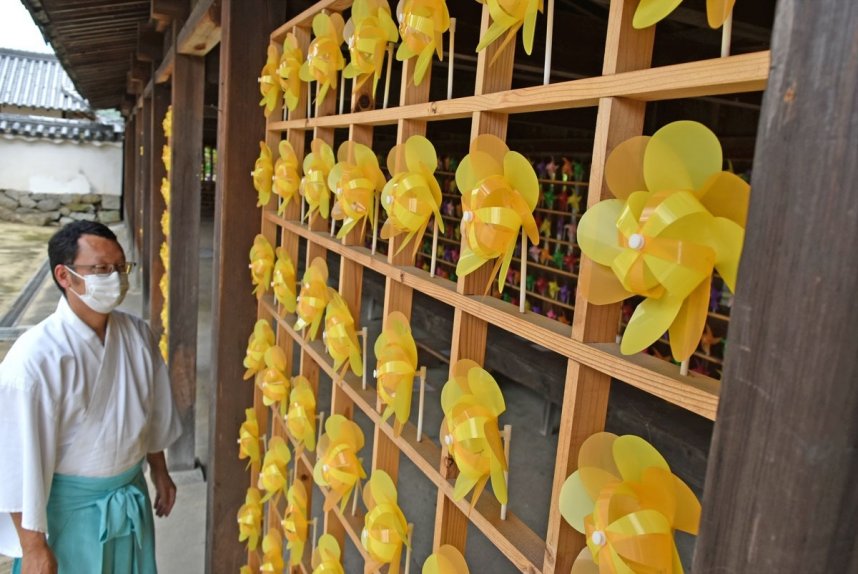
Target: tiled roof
pixel 58 129
pixel 33 80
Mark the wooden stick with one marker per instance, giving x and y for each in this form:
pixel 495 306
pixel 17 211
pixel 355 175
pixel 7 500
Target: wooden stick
pixel 309 100
pixel 507 437
pixel 683 368
pixel 434 249
pixel 727 35
pixel 302 208
pixel 549 36
pixel 420 404
pixel 522 281
pixel 355 500
pixel 321 425
pixel 387 75
pixel 408 548
pixel 342 93
pixel 333 223
pixel 375 223
pixel 451 55
pixel 365 335
pixel 315 532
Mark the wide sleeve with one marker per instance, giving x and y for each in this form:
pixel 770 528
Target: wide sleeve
pixel 28 452
pixel 165 426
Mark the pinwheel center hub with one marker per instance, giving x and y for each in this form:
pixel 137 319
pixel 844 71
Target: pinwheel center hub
pixel 636 241
pixel 468 216
pixel 598 537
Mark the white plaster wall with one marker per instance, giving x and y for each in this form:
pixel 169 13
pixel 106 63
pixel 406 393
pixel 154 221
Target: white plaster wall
pixel 40 166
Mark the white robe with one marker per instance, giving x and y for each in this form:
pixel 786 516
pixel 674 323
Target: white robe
pixel 70 405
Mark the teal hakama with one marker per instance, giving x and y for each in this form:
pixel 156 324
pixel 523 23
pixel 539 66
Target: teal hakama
pixel 101 525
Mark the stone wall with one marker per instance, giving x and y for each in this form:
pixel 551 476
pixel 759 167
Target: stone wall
pixel 49 209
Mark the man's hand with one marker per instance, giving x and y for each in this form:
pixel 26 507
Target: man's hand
pixel 165 489
pixel 37 558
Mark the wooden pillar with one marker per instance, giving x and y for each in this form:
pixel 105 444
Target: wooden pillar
pixel 128 175
pixel 147 157
pixel 139 146
pixel 160 103
pixel 240 124
pixel 187 153
pixel 780 487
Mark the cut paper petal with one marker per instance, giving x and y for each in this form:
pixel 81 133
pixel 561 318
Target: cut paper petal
pixel 260 340
pixel 327 558
pixel 263 173
pixel 287 177
pixel 269 83
pixel 650 12
pixel 248 438
pixel 283 282
pixel 314 185
pixel 447 560
pixel 412 195
pixel 165 190
pixel 355 180
pixel 324 58
pixel 301 418
pixel 272 552
pixel 338 468
pixel 165 223
pixel 167 122
pixel 499 193
pixel 385 528
pixel 289 71
pixel 295 523
pixel 314 297
pixel 261 265
pixel 250 519
pixel 396 353
pixel 508 16
pixel 340 337
pixel 274 476
pixel 167 157
pixel 422 24
pixel 273 381
pixel 367 34
pixel 472 402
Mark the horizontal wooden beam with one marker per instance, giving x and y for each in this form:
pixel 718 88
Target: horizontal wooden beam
pixel 169 10
pixel 201 32
pixel 165 70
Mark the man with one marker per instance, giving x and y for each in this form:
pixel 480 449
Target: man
pixel 84 398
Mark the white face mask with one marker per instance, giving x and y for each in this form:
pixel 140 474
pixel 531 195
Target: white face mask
pixel 103 293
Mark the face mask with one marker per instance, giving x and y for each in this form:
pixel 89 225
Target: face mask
pixel 103 293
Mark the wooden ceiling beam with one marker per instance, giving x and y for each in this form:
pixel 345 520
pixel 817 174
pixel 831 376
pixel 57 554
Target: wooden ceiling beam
pixel 201 32
pixel 150 44
pixel 166 11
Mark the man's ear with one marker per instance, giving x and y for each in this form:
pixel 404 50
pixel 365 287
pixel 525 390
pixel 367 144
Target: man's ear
pixel 63 276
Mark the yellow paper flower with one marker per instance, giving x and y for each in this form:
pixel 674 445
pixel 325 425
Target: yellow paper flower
pixel 248 438
pixel 385 529
pixel 412 195
pixel 301 418
pixel 396 354
pixel 260 340
pixel 340 337
pixel 275 468
pixel 273 380
pixel 649 12
pixel 263 175
pixel 626 501
pixel 165 190
pixel 472 401
pixel 261 265
pixel 272 552
pixel 338 467
pixel 447 560
pixel 508 16
pixel 165 223
pixel 327 558
pixel 167 122
pixel 287 179
pixel 367 34
pixel 314 297
pixel 422 24
pixel 499 193
pixel 676 218
pixel 269 85
pixel 166 157
pixel 314 185
pixel 295 522
pixel 250 519
pixel 324 58
pixel 165 256
pixel 283 281
pixel 289 71
pixel 355 180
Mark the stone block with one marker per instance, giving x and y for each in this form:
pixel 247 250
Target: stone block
pixel 27 202
pixel 66 220
pixel 7 202
pixel 69 198
pixel 64 211
pixel 27 210
pixel 53 215
pixel 52 204
pixel 108 216
pixel 111 201
pixel 81 207
pixel 78 216
pixel 90 198
pixel 40 196
pixel 16 195
pixel 39 219
pixel 7 214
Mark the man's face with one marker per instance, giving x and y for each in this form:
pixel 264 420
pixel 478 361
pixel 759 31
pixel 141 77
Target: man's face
pixel 95 255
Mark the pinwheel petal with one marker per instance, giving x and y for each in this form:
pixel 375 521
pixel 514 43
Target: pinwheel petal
pixel 575 503
pixel 272 552
pixel 717 12
pixel 728 249
pixel 603 287
pixel 688 326
pixel 681 156
pixel 650 321
pixel 633 455
pixel 597 231
pixel 650 12
pixel 726 195
pixel 446 560
pixel 327 556
pixel 584 563
pixel 624 167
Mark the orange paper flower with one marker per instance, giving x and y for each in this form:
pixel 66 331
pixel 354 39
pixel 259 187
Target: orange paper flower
pixel 269 85
pixel 289 71
pixel 367 34
pixel 314 297
pixel 396 354
pixel 338 467
pixel 422 24
pixel 355 180
pixel 324 59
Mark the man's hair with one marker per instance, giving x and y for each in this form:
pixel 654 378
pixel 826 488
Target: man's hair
pixel 63 247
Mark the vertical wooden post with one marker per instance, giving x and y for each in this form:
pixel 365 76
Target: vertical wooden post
pixel 129 156
pixel 585 400
pixel 187 153
pixel 780 487
pixel 160 103
pixel 139 168
pixel 146 159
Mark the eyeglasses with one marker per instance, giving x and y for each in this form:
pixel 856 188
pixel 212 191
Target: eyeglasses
pixel 122 269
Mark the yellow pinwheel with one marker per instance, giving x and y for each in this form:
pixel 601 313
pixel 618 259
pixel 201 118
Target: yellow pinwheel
pixel 314 297
pixel 261 265
pixel 295 522
pixel 355 180
pixel 301 418
pixel 250 519
pixel 283 281
pixel 396 354
pixel 263 175
pixel 677 217
pixel 165 190
pixel 274 475
pixel 367 34
pixel 422 24
pixel 314 185
pixel 385 529
pixel 165 223
pixel 272 552
pixel 163 347
pixel 472 401
pixel 165 257
pixel 447 560
pixel 508 16
pixel 167 157
pixel 273 380
pixel 412 195
pixel 248 438
pixel 628 503
pixel 340 337
pixel 649 12
pixel 499 193
pixel 269 85
pixel 338 468
pixel 287 179
pixel 259 342
pixel 289 71
pixel 327 558
pixel 324 58
pixel 167 122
